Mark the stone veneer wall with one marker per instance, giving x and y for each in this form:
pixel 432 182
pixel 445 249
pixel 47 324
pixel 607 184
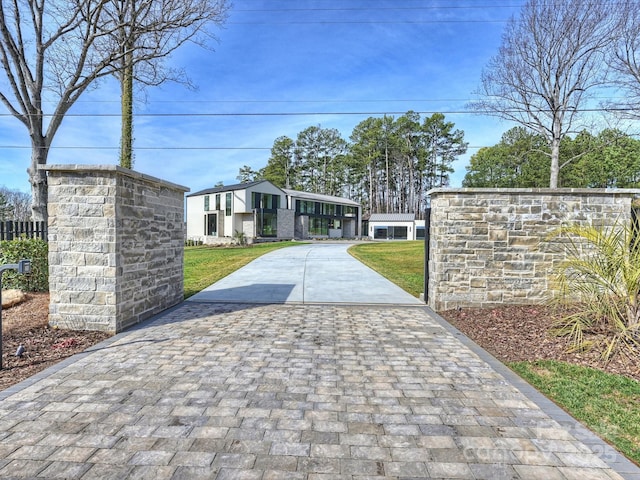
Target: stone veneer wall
pixel 116 244
pixel 487 245
pixel 286 223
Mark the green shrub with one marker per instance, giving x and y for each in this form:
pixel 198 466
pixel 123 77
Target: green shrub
pixel 240 238
pixel 600 279
pixel 34 249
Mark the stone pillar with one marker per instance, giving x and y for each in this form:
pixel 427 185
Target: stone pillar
pixel 488 246
pixel 116 244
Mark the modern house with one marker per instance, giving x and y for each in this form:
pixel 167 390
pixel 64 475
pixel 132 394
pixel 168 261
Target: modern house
pixel 395 226
pixel 261 210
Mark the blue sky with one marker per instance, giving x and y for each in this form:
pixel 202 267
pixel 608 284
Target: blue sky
pixel 321 62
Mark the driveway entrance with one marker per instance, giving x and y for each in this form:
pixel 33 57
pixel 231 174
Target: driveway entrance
pixel 295 391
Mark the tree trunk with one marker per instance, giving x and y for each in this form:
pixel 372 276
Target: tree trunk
pixel 126 146
pixel 38 179
pixel 555 163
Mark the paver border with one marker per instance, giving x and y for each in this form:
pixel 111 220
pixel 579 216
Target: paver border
pixel 618 462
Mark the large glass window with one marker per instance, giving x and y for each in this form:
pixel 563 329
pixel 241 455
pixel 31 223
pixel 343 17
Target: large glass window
pixel 217 201
pixel 267 224
pixel 318 226
pixel 265 200
pixel 420 233
pixel 211 224
pixel 349 211
pixel 305 206
pixel 398 233
pixel 227 204
pixel 328 209
pixel 271 201
pixel 380 233
pixel 390 232
pixel 206 203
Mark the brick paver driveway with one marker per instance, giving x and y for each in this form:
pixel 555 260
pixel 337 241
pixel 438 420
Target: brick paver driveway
pixel 314 392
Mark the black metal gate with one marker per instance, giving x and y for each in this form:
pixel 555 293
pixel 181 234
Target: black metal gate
pixel 427 238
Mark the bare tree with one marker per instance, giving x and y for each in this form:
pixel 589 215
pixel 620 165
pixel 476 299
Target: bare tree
pixel 20 203
pixel 148 31
pixel 54 50
pixel 625 59
pixel 549 64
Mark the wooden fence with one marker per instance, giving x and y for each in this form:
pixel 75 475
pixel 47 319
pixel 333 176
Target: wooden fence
pixel 10 230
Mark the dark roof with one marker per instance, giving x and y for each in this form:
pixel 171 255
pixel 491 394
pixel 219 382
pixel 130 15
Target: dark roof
pixel 392 217
pixel 226 188
pixel 320 197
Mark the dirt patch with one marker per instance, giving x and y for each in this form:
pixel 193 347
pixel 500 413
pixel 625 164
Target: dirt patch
pixel 26 324
pixel 522 333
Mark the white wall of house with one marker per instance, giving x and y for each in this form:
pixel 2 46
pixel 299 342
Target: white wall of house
pixel 241 218
pixel 392 233
pixel 195 217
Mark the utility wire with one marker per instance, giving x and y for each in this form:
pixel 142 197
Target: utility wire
pixel 307 114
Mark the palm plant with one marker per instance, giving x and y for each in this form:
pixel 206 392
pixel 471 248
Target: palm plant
pixel 600 278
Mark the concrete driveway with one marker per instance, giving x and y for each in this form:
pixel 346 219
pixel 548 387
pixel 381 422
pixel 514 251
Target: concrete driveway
pixel 310 273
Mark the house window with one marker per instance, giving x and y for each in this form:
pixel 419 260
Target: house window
pixel 267 224
pixel 265 200
pixel 227 204
pixel 390 233
pixel 206 203
pixel 217 201
pixel 211 224
pixel 349 211
pixel 318 226
pixel 305 206
pixel 256 199
pixel 380 233
pixel 328 209
pixel 420 233
pixel 398 233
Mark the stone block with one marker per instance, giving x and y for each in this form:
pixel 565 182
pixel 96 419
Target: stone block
pixel 110 230
pixel 517 264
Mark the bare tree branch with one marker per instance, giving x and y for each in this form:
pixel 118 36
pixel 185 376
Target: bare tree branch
pixel 625 59
pixel 57 49
pixel 547 67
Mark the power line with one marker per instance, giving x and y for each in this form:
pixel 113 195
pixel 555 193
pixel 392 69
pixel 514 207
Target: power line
pixel 326 100
pixel 374 9
pixel 309 114
pixel 365 22
pixel 95 147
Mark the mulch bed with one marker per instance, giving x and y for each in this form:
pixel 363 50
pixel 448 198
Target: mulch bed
pixel 515 333
pixel 26 324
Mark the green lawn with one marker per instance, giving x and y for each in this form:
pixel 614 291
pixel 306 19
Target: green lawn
pixel 400 262
pixel 608 404
pixel 205 265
